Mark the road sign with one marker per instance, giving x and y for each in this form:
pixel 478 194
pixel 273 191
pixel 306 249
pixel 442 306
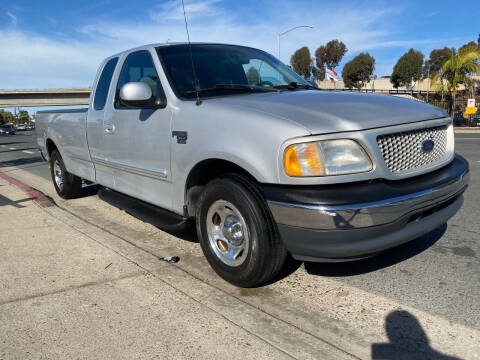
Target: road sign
pixel 471 103
pixel 471 110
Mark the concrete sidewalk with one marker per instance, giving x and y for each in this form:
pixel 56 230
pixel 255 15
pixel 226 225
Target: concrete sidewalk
pixel 65 295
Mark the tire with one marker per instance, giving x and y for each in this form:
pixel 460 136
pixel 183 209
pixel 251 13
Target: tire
pixel 68 186
pixel 232 217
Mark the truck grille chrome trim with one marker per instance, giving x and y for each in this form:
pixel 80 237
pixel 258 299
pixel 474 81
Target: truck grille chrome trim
pixel 409 150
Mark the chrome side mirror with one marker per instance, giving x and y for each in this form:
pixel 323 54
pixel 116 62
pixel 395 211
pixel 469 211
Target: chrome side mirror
pixel 135 91
pixel 139 95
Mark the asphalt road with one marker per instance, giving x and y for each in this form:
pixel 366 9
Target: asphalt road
pixel 438 273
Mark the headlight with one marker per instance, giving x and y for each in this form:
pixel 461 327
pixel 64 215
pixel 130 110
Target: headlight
pixel 324 158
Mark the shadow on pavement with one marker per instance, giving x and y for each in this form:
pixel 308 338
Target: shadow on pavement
pixel 4 201
pixel 21 161
pixel 385 259
pixel 407 339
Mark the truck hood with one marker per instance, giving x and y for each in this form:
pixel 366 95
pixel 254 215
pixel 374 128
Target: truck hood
pixel 328 112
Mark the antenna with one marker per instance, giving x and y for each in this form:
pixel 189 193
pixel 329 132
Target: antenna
pixel 197 85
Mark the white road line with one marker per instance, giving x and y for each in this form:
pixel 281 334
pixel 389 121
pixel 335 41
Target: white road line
pixel 4 145
pixel 28 152
pixel 13 148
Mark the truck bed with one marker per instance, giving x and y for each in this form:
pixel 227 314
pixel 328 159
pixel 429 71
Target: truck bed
pixel 67 129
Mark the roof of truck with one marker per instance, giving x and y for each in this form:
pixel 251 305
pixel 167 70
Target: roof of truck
pixel 164 44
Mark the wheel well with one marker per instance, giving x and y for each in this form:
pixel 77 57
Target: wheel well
pixel 202 173
pixel 50 147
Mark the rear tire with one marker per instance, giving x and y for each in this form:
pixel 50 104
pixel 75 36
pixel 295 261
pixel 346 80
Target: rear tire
pixel 237 233
pixel 68 186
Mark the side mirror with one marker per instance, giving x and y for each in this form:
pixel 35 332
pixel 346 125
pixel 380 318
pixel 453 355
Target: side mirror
pixel 139 95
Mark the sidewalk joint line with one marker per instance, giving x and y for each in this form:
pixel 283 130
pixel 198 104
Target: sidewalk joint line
pixel 70 288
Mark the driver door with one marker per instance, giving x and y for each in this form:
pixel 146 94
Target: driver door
pixel 140 138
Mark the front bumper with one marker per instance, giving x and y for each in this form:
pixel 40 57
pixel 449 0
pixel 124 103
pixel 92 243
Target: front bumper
pixel 345 221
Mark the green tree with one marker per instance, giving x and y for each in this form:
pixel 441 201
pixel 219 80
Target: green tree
pixel 358 71
pixel 302 62
pixel 469 45
pixel 329 55
pixel 457 68
pixel 23 117
pixel 437 58
pixel 6 117
pixel 408 69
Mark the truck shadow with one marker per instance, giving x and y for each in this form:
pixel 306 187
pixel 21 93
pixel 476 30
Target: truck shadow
pixel 383 260
pixel 407 340
pixel 21 161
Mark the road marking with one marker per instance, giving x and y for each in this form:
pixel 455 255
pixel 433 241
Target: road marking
pixel 4 145
pixel 28 152
pixel 13 148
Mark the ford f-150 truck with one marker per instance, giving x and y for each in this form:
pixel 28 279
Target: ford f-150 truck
pixel 263 162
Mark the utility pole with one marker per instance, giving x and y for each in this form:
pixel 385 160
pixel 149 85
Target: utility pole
pixel 428 77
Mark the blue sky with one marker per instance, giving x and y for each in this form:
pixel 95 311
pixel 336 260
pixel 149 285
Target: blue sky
pixel 59 44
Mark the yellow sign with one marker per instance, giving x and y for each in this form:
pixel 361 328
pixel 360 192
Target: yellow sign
pixel 470 110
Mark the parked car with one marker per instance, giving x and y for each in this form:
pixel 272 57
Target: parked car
pixel 7 130
pixel 265 168
pixel 459 120
pixel 21 127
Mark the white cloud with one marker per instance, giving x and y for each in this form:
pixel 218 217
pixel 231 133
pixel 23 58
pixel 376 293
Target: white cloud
pixel 172 10
pixel 13 18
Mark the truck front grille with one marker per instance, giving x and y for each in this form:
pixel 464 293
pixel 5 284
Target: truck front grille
pixel 404 151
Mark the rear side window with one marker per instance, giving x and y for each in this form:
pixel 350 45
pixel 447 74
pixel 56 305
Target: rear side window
pixel 103 84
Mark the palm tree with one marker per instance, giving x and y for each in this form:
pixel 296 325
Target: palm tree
pixel 455 70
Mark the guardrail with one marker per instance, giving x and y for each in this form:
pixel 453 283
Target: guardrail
pixel 44 97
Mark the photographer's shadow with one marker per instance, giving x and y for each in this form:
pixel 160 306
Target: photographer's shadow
pixel 408 340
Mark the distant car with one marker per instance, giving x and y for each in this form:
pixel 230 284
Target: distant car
pixel 459 120
pixel 7 130
pixel 475 119
pixel 21 127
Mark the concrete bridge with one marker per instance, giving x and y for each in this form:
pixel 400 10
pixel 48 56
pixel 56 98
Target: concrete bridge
pixel 44 97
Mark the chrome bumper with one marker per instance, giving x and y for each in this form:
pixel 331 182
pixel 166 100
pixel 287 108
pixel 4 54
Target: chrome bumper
pixel 366 214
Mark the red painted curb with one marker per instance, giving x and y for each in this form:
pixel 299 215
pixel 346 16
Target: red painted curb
pixel 37 196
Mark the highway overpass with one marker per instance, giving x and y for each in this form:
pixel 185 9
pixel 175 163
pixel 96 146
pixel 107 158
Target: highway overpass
pixel 44 97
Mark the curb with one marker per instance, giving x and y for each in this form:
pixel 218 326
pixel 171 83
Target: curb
pixel 38 197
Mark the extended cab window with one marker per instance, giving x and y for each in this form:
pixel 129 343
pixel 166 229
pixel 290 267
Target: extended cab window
pixel 103 84
pixel 139 67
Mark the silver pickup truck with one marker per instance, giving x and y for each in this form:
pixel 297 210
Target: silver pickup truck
pixel 263 162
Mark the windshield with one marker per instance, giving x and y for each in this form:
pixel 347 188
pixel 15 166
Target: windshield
pixel 223 65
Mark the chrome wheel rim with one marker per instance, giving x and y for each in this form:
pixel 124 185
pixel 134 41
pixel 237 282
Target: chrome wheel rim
pixel 227 233
pixel 58 174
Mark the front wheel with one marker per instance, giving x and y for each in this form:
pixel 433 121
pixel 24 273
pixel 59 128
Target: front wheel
pixel 67 185
pixel 237 233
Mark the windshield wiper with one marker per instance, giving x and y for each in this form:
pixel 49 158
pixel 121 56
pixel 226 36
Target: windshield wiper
pixel 295 85
pixel 234 87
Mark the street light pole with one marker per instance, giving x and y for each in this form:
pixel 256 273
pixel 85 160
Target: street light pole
pixel 285 32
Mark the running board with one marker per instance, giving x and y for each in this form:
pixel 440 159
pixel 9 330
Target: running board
pixel 161 218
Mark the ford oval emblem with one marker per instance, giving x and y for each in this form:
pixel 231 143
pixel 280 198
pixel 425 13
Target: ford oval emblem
pixel 428 145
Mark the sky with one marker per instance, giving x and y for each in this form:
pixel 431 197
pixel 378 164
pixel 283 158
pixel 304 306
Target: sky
pixel 59 44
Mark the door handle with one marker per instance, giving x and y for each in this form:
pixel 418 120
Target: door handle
pixel 109 128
